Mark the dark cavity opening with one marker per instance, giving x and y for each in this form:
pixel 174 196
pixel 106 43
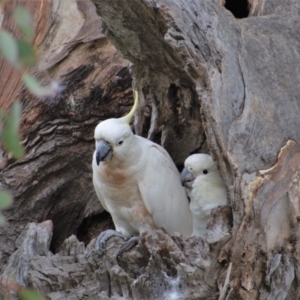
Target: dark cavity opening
pixel 239 8
pixel 92 226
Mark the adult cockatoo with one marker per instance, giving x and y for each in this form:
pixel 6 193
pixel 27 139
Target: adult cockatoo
pixel 137 182
pixel 205 188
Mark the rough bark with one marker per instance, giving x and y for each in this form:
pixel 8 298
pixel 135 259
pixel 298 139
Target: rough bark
pixel 245 75
pixel 205 78
pixel 159 267
pixel 54 179
pixel 283 8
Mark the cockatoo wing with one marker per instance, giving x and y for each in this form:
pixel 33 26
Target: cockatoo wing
pixel 98 185
pixel 162 193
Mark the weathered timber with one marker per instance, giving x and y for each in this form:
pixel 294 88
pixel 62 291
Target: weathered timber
pixel 245 76
pixel 206 79
pixel 159 267
pixel 54 179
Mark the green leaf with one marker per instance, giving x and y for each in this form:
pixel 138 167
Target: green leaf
pixel 34 86
pixel 28 294
pixel 26 53
pixel 11 139
pixel 2 220
pixel 8 47
pixel 23 18
pixel 2 116
pixel 5 202
pixel 5 199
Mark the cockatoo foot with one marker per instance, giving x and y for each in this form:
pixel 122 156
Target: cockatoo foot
pixel 127 246
pixel 104 237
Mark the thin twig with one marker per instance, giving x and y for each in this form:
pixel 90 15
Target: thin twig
pixel 224 288
pixel 229 294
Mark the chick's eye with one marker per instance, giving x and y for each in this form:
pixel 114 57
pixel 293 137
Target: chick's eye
pixel 205 171
pixel 120 143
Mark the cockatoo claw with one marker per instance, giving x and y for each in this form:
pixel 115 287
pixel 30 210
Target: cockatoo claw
pixel 133 241
pixel 104 237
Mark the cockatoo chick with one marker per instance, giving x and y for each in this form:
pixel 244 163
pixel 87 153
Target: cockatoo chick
pixel 137 182
pixel 205 188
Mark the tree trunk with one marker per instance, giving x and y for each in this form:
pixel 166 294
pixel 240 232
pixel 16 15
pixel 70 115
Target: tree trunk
pixel 209 82
pixel 54 179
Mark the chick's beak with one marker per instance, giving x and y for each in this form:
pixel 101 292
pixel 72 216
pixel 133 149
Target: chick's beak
pixel 103 152
pixel 187 178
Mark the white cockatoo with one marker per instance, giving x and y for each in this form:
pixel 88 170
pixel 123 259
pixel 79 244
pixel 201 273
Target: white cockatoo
pixel 137 182
pixel 205 188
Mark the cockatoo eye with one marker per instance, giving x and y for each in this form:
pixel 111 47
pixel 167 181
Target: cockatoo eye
pixel 120 142
pixel 205 171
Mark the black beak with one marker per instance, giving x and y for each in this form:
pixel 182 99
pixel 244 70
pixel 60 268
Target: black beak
pixel 103 152
pixel 187 178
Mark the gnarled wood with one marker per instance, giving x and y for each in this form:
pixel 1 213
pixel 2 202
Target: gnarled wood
pixel 206 80
pixel 159 267
pixel 245 77
pixel 54 179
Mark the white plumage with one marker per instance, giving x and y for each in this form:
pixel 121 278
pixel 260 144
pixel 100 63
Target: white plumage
pixel 137 182
pixel 205 188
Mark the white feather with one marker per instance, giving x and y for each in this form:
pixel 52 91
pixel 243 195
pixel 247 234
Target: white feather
pixel 162 193
pixel 140 185
pixel 206 191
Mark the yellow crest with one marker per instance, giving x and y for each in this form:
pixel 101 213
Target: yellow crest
pixel 129 116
